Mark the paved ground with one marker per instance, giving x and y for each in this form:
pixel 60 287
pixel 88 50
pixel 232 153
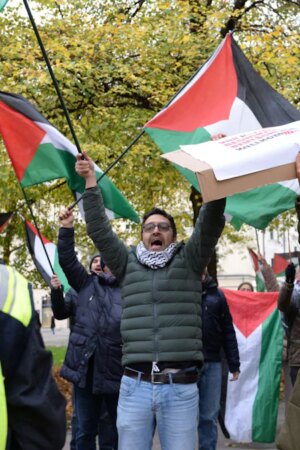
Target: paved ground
pixel 61 338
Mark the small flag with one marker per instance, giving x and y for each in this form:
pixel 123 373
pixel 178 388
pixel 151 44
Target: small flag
pixel 252 401
pixel 4 220
pixel 259 278
pixel 39 153
pixel 279 265
pixel 39 256
pixel 226 95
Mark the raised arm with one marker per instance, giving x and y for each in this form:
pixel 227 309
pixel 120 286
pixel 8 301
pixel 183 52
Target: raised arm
pixel 75 272
pixel 99 229
pixel 268 274
pixel 208 229
pixel 286 291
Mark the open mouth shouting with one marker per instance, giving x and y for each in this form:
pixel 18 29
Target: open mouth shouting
pixel 156 245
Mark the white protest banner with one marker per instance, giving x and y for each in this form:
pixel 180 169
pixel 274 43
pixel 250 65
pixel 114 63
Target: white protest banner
pixel 251 152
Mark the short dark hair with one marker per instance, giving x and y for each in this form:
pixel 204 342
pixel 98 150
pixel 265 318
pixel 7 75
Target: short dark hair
pixel 102 263
pixel 161 212
pixel 247 283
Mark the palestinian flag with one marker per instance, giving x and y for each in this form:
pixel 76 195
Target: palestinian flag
pixel 280 264
pixel 259 278
pixel 42 251
pixel 2 4
pixel 39 153
pixel 4 220
pixel 226 95
pixel 252 401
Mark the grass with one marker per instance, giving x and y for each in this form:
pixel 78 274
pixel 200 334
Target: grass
pixel 58 354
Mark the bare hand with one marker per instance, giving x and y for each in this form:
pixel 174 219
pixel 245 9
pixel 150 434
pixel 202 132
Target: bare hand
pixel 235 376
pixel 66 218
pixel 218 136
pixel 55 282
pixel 86 169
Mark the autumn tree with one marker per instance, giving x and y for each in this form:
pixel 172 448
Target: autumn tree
pixel 117 64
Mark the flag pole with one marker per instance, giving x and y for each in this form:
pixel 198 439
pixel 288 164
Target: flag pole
pixel 112 164
pixel 257 241
pixel 43 50
pixel 37 228
pixel 55 83
pixel 289 244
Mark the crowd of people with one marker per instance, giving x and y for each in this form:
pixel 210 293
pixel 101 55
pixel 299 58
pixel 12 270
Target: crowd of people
pixel 149 328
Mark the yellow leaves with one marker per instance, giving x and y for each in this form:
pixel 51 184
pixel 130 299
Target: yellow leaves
pixel 186 39
pixel 277 32
pixel 293 60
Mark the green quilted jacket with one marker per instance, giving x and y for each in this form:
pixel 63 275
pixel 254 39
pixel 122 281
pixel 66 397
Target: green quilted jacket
pixel 161 319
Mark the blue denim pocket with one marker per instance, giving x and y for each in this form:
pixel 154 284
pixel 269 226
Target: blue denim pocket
pixel 185 391
pixel 128 386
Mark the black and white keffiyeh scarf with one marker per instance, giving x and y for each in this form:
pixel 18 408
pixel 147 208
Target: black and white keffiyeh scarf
pixel 155 260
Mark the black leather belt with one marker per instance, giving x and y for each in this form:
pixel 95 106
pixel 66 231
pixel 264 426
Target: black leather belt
pixel 163 378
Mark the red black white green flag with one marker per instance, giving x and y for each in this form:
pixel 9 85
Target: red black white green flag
pixel 4 220
pixel 259 278
pixel 39 153
pixel 280 264
pixel 42 251
pixel 252 401
pixel 226 95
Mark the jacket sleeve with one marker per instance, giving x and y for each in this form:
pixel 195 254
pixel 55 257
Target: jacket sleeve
pixel 113 250
pixel 284 299
pixel 61 305
pixel 229 340
pixel 209 226
pixel 73 269
pixel 270 279
pixel 36 408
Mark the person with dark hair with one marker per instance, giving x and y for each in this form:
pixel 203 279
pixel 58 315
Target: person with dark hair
pixel 93 359
pixel 32 409
pixel 64 307
pixel 218 335
pixel 161 319
pixel 245 286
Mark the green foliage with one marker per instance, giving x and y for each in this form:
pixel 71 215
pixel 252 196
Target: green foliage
pixel 58 354
pixel 117 64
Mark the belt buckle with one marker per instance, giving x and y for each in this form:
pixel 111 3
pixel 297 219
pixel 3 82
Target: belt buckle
pixel 153 375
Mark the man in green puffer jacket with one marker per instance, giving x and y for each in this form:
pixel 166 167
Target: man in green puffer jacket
pixel 160 283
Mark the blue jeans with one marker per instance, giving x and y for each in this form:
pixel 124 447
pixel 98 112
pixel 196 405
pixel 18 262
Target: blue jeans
pixel 88 409
pixel 173 408
pixel 209 405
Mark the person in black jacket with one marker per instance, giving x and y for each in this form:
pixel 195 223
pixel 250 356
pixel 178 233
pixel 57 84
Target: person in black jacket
pixel 93 359
pixel 64 307
pixel 36 416
pixel 218 334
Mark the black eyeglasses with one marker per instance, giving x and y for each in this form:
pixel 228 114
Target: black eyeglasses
pixel 162 226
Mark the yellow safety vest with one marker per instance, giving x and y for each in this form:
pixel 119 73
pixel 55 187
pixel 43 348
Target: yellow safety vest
pixel 14 301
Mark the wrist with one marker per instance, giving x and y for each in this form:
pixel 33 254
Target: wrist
pixel 91 181
pixel 67 226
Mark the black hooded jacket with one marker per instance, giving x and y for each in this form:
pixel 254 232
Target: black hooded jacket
pixel 94 352
pixel 217 327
